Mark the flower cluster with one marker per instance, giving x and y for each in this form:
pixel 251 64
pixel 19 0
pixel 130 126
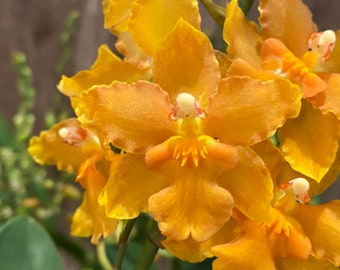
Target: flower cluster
pixel 181 131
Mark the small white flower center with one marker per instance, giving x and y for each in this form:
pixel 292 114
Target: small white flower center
pixel 322 43
pixel 300 188
pixel 186 106
pixel 72 135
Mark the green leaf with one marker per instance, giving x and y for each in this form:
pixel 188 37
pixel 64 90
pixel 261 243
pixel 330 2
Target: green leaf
pixel 6 136
pixel 24 244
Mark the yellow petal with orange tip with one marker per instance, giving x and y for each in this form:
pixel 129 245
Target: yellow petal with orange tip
pixel 246 111
pixel 321 223
pixel 186 62
pixel 107 68
pixel 241 35
pixel 289 21
pixel 306 149
pixel 134 117
pixel 153 20
pixel 129 187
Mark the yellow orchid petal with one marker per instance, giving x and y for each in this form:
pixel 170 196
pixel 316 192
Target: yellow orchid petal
pixel 145 23
pixel 241 35
pixel 322 225
pixel 116 14
pixel 272 157
pixel 186 62
pixel 249 251
pixel 307 150
pixel 50 148
pixel 239 67
pixel 127 46
pixel 250 185
pixel 311 263
pixel 107 68
pixel 246 111
pixel 223 62
pixel 283 20
pixel 89 218
pixel 192 186
pixel 133 117
pixel 329 178
pixel 84 225
pixel 129 187
pixel 193 251
pixel 329 99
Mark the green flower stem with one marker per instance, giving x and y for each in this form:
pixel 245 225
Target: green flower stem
pixel 245 5
pixel 150 249
pixel 122 243
pixel 216 12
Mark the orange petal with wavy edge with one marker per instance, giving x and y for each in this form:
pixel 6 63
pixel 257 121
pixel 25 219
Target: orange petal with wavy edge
pixel 306 149
pixel 117 14
pixel 129 187
pixel 329 99
pixel 322 225
pixel 193 251
pixel 250 185
pixel 186 62
pixel 191 188
pixel 89 218
pixel 152 21
pixel 289 21
pixel 107 68
pixel 246 111
pixel 241 35
pixel 134 117
pixel 49 148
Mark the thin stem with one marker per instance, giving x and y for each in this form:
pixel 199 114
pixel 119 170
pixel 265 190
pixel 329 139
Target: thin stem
pixel 216 12
pixel 122 243
pixel 245 5
pixel 149 251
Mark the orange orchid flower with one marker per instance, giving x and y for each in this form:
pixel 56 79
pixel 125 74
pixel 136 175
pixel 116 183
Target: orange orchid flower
pixel 287 48
pixel 193 129
pixel 72 148
pixel 299 236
